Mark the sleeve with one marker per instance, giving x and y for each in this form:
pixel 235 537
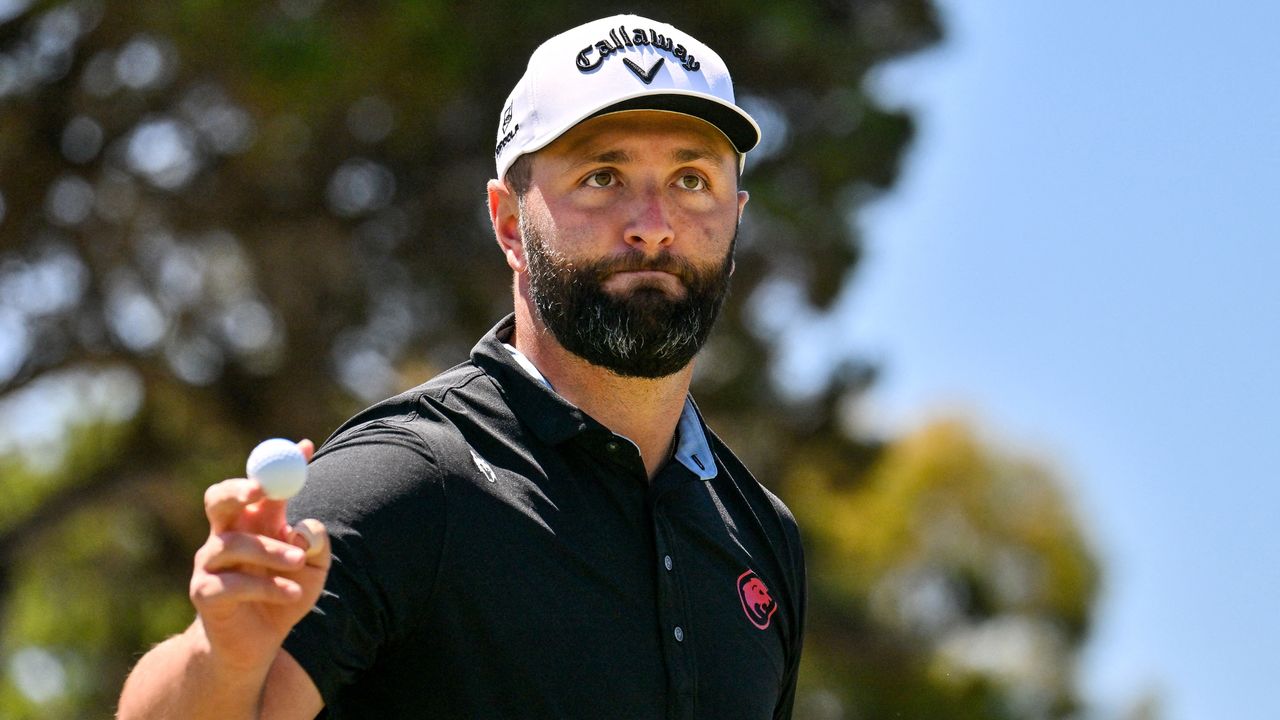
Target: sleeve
pixel 377 489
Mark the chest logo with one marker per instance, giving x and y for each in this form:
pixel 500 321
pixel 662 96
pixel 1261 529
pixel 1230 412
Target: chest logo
pixel 757 603
pixel 483 466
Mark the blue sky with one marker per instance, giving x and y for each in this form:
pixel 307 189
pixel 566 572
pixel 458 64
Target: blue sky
pixel 1081 257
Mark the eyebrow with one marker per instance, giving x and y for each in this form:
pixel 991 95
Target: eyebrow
pixel 608 157
pixel 693 154
pixel 621 157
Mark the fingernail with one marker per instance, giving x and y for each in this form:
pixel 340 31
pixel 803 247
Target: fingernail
pixel 294 555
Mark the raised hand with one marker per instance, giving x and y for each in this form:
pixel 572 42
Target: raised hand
pixel 255 576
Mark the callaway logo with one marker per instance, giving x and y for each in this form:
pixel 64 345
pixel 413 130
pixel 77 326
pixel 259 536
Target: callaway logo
pixel 619 40
pixel 757 603
pixel 646 76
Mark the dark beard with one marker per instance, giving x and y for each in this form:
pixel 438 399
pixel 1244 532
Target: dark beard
pixel 644 333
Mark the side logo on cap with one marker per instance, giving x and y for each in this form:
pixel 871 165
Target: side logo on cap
pixel 619 40
pixel 507 135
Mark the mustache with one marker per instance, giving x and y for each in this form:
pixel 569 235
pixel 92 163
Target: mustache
pixel 636 261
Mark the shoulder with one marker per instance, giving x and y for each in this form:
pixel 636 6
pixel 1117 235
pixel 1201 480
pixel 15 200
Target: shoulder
pixel 414 410
pixel 747 481
pixel 400 449
pixel 775 517
pixel 418 419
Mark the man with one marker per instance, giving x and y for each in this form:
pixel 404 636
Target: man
pixel 548 530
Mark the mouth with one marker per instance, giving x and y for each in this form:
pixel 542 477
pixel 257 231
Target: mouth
pixel 645 275
pixel 627 281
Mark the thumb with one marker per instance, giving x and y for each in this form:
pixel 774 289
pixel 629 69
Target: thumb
pixel 308 448
pixel 311 536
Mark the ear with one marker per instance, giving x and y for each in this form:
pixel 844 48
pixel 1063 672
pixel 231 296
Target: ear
pixel 742 204
pixel 504 213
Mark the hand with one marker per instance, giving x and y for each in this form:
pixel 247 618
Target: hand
pixel 255 577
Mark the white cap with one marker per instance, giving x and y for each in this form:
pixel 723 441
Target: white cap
pixel 624 62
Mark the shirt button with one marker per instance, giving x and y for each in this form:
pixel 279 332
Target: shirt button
pixel 613 446
pixel 666 562
pixel 679 634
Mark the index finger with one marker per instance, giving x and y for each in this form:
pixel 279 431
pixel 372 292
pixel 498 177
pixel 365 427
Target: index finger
pixel 241 504
pixel 226 501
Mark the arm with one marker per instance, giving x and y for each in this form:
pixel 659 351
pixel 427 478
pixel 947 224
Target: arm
pixel 251 583
pixel 180 678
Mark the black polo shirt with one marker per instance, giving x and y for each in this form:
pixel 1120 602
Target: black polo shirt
pixel 500 554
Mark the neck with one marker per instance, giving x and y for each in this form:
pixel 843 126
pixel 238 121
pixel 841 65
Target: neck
pixel 645 411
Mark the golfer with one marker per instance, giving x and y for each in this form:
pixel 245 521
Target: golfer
pixel 549 529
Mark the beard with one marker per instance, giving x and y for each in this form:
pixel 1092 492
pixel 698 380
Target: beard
pixel 642 333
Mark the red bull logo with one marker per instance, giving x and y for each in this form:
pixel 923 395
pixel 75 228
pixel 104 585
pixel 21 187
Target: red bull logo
pixel 757 603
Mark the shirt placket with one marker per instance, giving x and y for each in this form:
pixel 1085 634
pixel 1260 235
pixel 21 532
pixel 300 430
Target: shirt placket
pixel 672 601
pixel 673 605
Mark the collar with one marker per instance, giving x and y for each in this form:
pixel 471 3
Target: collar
pixel 693 450
pixel 554 419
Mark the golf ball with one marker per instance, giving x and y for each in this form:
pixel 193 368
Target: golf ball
pixel 278 466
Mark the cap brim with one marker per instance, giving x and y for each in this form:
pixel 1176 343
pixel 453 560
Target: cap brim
pixel 737 126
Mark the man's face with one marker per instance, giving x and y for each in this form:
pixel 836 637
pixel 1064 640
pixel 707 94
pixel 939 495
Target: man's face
pixel 628 230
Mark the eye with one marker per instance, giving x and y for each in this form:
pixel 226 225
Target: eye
pixel 601 179
pixel 692 182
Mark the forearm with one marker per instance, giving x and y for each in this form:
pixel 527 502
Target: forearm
pixel 183 677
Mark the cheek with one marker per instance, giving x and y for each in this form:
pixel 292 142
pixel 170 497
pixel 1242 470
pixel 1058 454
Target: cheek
pixel 712 233
pixel 574 231
pixel 555 229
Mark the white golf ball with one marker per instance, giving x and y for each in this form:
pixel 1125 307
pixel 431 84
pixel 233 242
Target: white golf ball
pixel 279 466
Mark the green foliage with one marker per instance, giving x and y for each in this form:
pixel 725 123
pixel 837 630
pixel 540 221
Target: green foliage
pixel 962 580
pixel 230 221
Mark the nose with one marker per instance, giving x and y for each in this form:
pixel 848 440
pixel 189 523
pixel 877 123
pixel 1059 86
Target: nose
pixel 650 229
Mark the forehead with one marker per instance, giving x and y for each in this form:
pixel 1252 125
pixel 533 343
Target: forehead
pixel 636 131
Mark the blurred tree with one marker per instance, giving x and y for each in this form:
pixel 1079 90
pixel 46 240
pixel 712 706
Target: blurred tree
pixel 947 581
pixel 226 221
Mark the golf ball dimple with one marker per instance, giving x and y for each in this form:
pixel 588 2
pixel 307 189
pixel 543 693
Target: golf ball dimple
pixel 279 467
